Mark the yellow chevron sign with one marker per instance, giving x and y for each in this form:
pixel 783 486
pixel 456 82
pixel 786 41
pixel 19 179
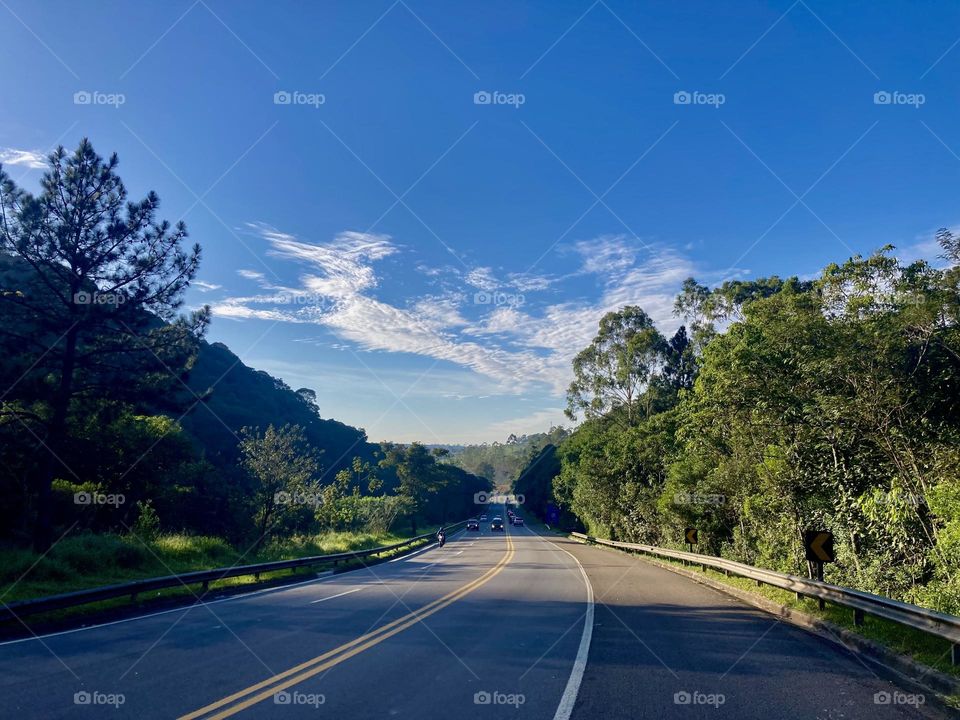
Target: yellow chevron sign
pixel 818 545
pixel 690 535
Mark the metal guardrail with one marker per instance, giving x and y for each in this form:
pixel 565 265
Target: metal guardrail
pixel 862 603
pixel 23 608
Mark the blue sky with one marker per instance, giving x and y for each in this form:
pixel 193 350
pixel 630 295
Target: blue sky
pixel 432 226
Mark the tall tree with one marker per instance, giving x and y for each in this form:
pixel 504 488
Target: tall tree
pixel 614 372
pixel 104 272
pixel 282 468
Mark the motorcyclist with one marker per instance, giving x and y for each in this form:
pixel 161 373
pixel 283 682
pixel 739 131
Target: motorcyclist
pixel 441 536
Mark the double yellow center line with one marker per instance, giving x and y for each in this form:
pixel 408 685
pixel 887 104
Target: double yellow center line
pixel 265 689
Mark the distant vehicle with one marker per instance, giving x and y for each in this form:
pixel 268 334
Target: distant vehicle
pixel 473 524
pixel 517 520
pixel 497 524
pixel 509 513
pixel 483 518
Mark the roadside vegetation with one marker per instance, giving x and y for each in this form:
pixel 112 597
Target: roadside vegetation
pixel 782 405
pixel 129 446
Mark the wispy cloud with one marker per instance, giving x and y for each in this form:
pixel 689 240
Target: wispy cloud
pixel 205 286
pixel 33 159
pixel 516 347
pixel 251 274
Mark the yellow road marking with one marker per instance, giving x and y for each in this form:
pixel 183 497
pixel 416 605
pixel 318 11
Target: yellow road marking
pixel 327 660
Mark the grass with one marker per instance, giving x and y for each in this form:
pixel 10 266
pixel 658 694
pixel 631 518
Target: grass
pixel 93 560
pixel 926 649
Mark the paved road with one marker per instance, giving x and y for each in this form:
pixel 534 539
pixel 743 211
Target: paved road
pixel 492 625
pixel 665 646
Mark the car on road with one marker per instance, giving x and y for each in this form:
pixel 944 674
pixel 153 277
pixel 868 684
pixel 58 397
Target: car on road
pixel 473 524
pixel 497 524
pixel 483 518
pixel 517 520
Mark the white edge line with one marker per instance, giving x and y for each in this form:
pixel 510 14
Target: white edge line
pixel 331 597
pixel 569 697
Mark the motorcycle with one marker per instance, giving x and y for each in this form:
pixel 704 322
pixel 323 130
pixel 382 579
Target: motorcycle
pixel 441 538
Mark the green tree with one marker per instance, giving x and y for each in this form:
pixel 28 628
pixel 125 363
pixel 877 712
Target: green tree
pixel 615 371
pixel 103 269
pixel 282 470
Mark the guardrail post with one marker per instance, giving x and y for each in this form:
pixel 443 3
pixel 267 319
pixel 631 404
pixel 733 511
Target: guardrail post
pixel 821 603
pixel 133 597
pixel 206 586
pixel 955 654
pixel 857 617
pixel 799 595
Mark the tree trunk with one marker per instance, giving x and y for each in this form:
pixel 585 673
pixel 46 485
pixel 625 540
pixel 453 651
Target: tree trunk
pixel 55 441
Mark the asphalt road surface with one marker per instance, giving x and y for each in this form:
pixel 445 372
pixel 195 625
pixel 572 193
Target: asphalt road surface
pixel 492 625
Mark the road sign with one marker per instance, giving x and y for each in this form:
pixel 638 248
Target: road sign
pixel 818 545
pixel 690 536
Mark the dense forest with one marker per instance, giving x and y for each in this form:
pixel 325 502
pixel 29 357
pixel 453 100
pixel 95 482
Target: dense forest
pixel 502 462
pixel 118 417
pixel 829 403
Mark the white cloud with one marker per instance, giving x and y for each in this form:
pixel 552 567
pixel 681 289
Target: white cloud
pixel 205 286
pixel 251 274
pixel 516 347
pixel 482 278
pixel 30 158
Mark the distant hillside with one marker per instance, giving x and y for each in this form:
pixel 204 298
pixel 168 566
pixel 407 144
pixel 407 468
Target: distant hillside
pixel 235 395
pixel 502 462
